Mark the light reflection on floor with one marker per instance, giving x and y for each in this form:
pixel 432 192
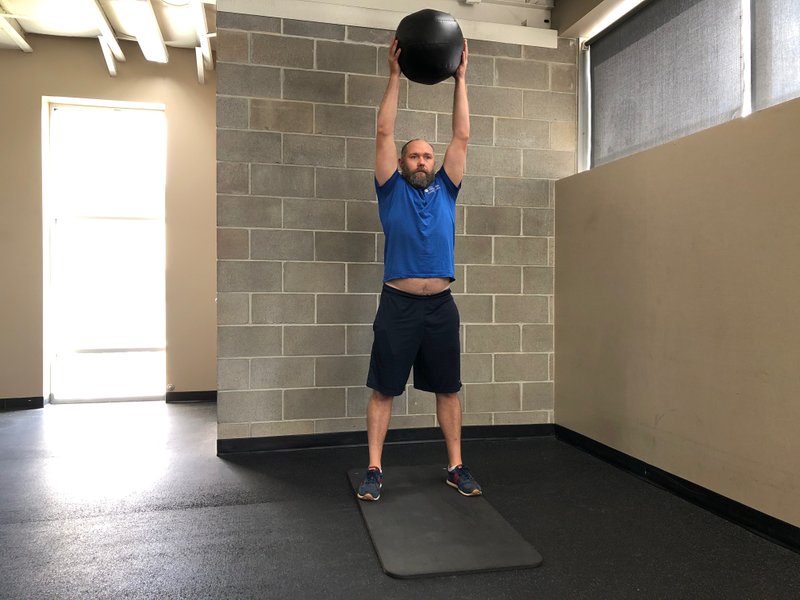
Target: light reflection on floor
pixel 105 451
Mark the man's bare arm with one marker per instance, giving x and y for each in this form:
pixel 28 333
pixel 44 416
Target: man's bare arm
pixel 455 157
pixel 385 151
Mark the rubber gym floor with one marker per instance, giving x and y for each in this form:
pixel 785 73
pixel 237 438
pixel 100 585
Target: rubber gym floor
pixel 129 500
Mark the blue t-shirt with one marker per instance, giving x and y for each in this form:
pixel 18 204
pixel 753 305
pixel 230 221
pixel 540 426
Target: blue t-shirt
pixel 419 227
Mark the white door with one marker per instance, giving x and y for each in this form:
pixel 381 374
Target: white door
pixel 104 184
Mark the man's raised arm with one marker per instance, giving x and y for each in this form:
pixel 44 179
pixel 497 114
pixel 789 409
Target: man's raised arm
pixel 385 151
pixel 455 157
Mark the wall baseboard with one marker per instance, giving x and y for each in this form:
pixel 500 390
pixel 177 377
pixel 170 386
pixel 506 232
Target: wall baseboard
pixel 359 438
pixel 199 396
pixel 775 530
pixel 21 403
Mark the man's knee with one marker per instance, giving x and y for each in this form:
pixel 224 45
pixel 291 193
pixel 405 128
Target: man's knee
pixel 380 397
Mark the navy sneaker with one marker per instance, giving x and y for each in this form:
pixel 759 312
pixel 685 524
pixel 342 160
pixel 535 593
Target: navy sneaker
pixel 461 479
pixel 370 488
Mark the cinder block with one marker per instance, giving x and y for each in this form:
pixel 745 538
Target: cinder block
pixel 227 431
pixel 338 425
pixel 381 37
pixel 280 428
pixel 283 308
pixel 421 403
pixel 476 418
pixel 317 150
pixel 231 20
pixel 345 247
pixel 522 133
pixel 537 396
pixel 233 243
pixel 433 98
pixel 563 78
pixel 481 129
pixel 494 161
pixel 521 309
pixel 313 340
pixel 313 277
pixel 413 421
pixel 515 191
pixel 360 153
pixel 492 397
pixel 537 338
pixel 475 308
pixel 460 218
pixel 550 164
pixel 520 251
pixel 341 370
pixel 247 341
pixel 549 106
pixel 241 407
pixel 282 180
pixel 278 372
pixel 498 102
pixel 303 213
pixel 314 403
pixel 233 178
pixel 364 277
pixel 521 367
pixel 493 220
pixel 233 309
pixel 346 308
pixel 563 136
pixel 345 184
pixel 350 58
pixel 281 51
pixel 248 80
pixel 551 251
pixel 248 146
pixel 567 52
pixel 248 276
pixel 281 115
pixel 358 397
pixel 363 216
pixel 522 418
pixel 538 221
pixel 521 74
pixel 537 280
pixel 281 244
pixel 476 368
pixel 345 120
pixel 473 249
pixel 493 280
pixel 476 190
pixel 313 30
pixel 413 124
pixel 233 374
pixel 478 47
pixel 248 211
pixel 359 339
pixel 232 112
pixel 364 90
pixel 314 86
pixel 481 70
pixel 492 338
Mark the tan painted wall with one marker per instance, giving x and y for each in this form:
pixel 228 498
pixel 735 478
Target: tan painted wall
pixel 677 312
pixel 75 68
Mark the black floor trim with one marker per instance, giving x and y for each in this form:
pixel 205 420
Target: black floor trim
pixel 202 396
pixel 760 523
pixel 21 403
pixel 359 438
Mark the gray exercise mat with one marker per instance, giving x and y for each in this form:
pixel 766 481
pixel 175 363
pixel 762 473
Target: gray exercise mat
pixel 421 527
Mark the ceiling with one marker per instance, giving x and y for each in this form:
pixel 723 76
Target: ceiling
pixel 156 25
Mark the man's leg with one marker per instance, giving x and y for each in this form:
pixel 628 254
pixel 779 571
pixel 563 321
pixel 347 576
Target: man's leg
pixel 379 412
pixel 448 411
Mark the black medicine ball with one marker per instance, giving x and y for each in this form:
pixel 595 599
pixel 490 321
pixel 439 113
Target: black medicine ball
pixel 431 44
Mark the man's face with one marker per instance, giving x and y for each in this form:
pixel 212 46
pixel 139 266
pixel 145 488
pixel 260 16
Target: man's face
pixel 416 165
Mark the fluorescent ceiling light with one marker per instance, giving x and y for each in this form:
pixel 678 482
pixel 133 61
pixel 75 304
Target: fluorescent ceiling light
pixel 145 28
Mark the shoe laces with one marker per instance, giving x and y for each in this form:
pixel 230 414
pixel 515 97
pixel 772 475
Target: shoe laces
pixel 463 472
pixel 373 476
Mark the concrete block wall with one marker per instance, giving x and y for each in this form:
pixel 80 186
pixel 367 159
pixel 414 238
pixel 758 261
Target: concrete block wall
pixel 299 243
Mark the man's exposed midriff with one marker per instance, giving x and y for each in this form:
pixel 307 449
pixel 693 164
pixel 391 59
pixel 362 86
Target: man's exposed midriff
pixel 421 286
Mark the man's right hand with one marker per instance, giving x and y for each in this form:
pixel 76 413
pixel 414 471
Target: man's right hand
pixel 394 53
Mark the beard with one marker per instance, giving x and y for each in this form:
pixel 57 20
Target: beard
pixel 419 179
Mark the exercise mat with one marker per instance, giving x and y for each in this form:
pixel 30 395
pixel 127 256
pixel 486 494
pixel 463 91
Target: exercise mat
pixel 422 527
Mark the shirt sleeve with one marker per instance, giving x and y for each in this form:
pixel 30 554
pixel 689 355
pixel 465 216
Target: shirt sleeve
pixel 385 191
pixel 452 188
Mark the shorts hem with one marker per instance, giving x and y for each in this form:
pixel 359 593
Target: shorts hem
pixel 425 389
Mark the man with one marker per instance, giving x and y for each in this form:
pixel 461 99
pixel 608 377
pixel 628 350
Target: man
pixel 417 323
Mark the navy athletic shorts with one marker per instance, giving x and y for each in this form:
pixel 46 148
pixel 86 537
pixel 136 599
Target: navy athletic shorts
pixel 418 331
